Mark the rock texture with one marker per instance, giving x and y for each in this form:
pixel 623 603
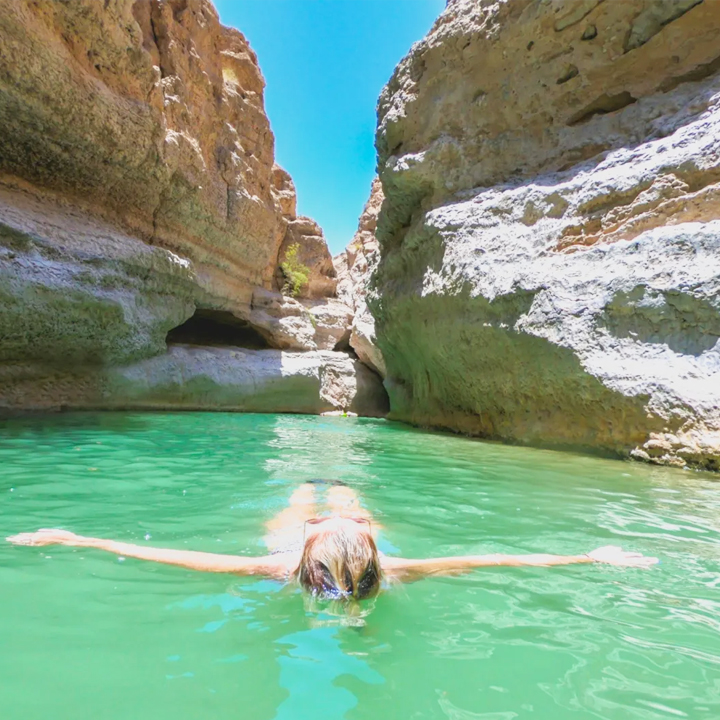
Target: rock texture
pixel 301 324
pixel 139 202
pixel 355 268
pixel 152 114
pixel 77 291
pixel 206 378
pixel 550 236
pixel 314 254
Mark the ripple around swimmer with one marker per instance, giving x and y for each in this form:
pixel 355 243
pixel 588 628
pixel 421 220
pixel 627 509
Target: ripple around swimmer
pixel 111 639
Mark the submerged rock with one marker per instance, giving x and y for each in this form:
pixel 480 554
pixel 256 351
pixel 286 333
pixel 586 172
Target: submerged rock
pixel 550 235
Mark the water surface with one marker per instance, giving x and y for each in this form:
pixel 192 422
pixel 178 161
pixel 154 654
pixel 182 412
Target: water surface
pixel 88 635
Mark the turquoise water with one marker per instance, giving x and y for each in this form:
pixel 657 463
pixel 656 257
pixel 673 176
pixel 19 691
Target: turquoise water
pixel 87 635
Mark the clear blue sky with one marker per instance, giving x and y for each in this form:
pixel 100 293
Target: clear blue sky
pixel 325 62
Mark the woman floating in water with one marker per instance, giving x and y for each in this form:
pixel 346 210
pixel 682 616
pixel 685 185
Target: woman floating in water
pixel 332 555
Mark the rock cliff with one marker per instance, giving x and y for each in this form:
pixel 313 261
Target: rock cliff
pixel 193 377
pixel 355 267
pixel 550 235
pixel 140 203
pixel 151 113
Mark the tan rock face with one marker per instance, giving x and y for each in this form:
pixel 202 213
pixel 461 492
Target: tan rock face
pixel 150 113
pixel 77 291
pixel 139 197
pixel 504 91
pixel 550 253
pixel 284 192
pixel 355 267
pixel 314 254
pixel 148 116
pixel 292 324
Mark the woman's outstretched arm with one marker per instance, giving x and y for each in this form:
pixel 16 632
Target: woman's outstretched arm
pixel 406 569
pixel 208 562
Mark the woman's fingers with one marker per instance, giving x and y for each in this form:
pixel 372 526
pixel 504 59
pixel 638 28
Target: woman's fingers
pixel 23 539
pixel 46 536
pixel 614 555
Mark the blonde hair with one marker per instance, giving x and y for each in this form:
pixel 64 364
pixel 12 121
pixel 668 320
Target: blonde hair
pixel 340 562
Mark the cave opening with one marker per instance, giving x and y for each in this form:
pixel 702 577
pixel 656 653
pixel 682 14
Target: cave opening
pixel 217 328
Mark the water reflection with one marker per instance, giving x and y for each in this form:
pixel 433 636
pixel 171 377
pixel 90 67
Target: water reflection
pixel 573 643
pixel 310 664
pixel 307 448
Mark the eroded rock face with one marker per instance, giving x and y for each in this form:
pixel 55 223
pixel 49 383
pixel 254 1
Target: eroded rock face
pixel 550 237
pixel 355 267
pixel 292 324
pixel 77 291
pixel 313 253
pixel 205 378
pixel 150 113
pixel 140 202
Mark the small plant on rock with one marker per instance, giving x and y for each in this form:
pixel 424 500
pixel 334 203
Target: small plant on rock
pixel 296 274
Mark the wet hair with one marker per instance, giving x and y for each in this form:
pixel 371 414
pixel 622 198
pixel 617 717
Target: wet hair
pixel 340 563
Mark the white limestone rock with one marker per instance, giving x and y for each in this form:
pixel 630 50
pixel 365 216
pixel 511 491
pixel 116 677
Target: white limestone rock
pixel 550 238
pixel 203 378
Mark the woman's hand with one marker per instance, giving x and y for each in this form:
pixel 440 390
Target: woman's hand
pixel 614 555
pixel 46 537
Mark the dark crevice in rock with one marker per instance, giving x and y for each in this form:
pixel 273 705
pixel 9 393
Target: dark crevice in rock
pixel 602 106
pixel 699 73
pixel 600 205
pixel 382 398
pixel 573 13
pixel 696 178
pixel 343 344
pixel 417 69
pixel 580 155
pixel 161 39
pixel 217 328
pixel 178 8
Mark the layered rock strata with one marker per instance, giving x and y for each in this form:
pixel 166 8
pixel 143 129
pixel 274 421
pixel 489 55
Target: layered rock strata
pixel 550 236
pixel 151 113
pixel 139 198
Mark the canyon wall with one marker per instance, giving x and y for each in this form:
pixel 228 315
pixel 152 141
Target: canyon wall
pixel 550 235
pixel 139 205
pixel 355 267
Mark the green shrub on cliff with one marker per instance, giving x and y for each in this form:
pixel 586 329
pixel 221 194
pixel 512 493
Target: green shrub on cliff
pixel 296 274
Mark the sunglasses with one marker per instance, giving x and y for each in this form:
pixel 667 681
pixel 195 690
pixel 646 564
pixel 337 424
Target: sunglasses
pixel 319 520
